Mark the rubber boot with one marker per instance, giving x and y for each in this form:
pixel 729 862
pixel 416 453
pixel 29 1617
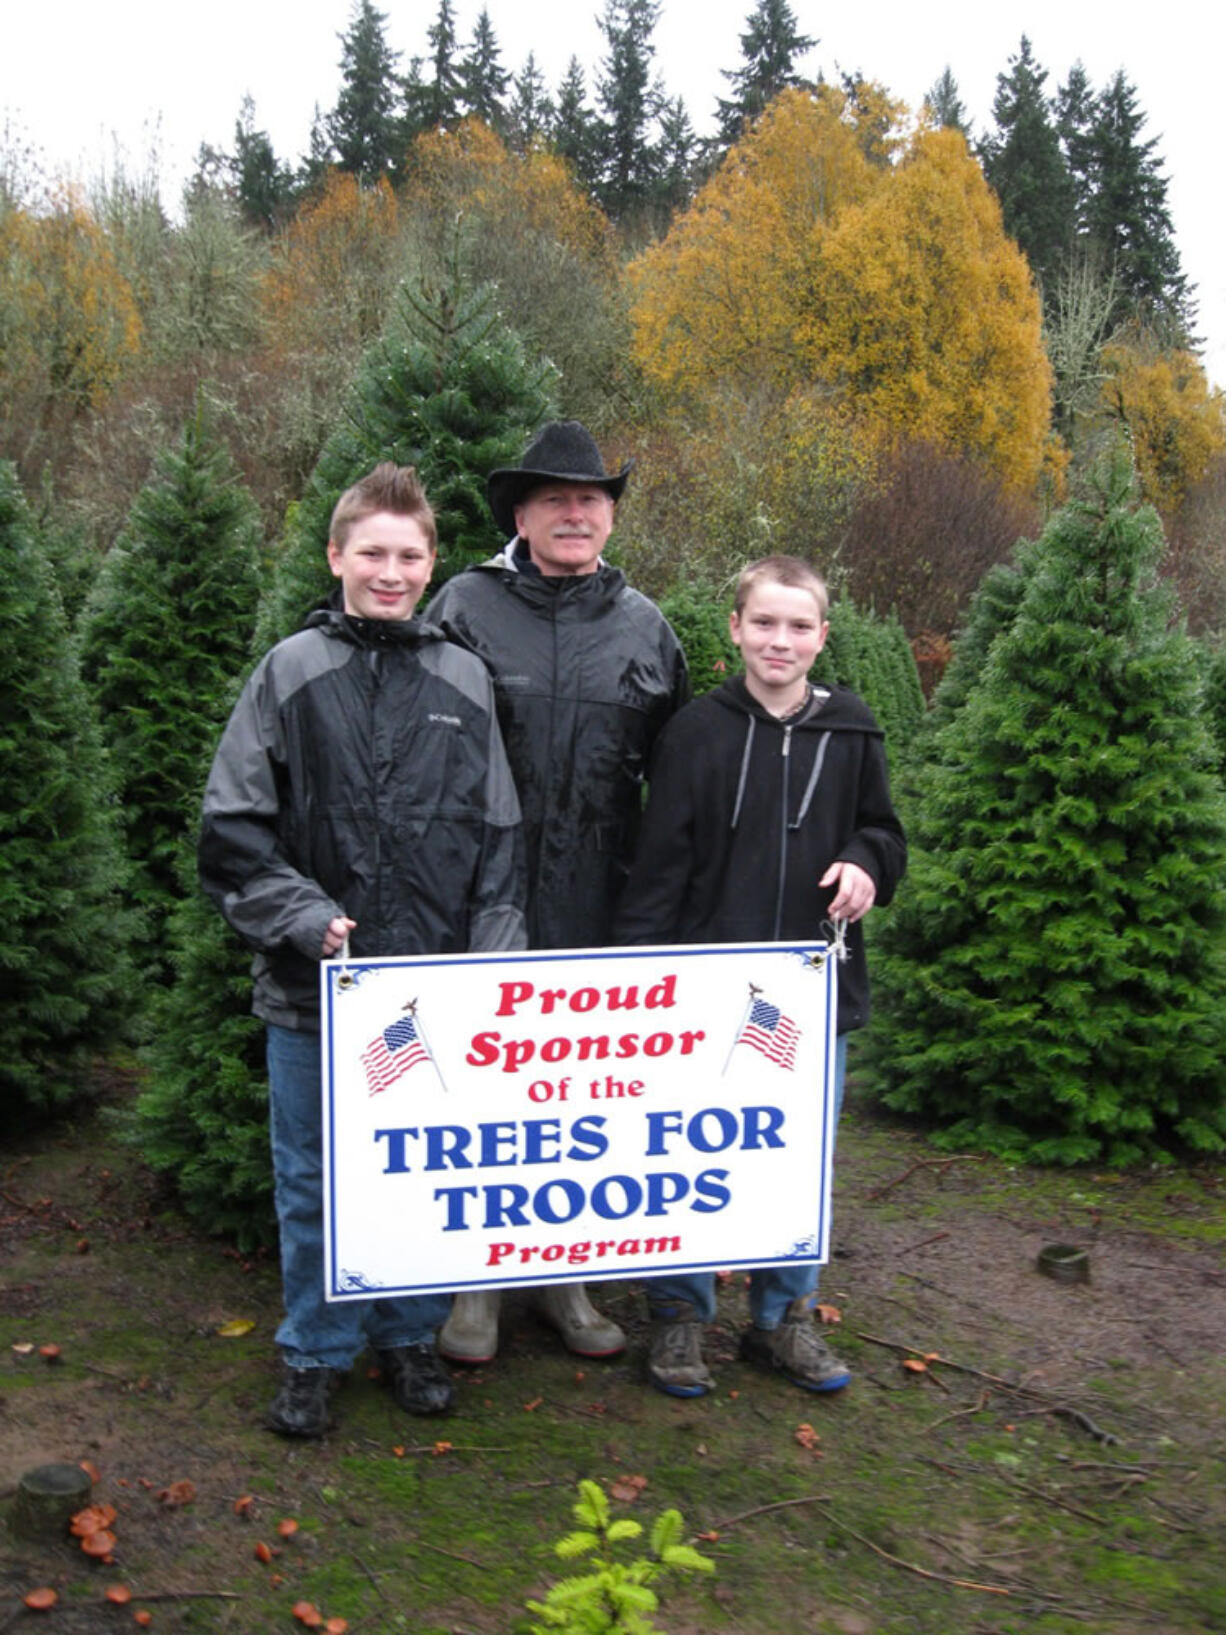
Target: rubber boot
pixel 470 1334
pixel 566 1307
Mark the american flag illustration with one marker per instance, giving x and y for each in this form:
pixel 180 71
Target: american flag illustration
pixel 392 1053
pixel 768 1030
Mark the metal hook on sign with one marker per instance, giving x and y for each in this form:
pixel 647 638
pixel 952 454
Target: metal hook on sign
pixel 345 979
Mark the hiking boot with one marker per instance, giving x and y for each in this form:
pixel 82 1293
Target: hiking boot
pixel 566 1307
pixel 419 1382
pixel 797 1350
pixel 300 1407
pixel 674 1357
pixel 470 1334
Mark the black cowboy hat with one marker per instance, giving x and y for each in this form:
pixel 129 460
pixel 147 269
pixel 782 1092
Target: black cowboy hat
pixel 563 451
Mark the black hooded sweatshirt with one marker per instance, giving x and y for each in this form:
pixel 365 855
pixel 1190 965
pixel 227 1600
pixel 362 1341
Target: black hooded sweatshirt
pixel 745 815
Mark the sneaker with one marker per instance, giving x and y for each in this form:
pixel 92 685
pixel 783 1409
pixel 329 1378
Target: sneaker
pixel 419 1381
pixel 797 1350
pixel 674 1357
pixel 300 1407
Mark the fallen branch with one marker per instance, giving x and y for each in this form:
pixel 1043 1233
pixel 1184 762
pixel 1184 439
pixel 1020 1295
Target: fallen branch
pixel 926 1163
pixel 911 1566
pixel 1076 1414
pixel 1107 1438
pixel 191 1595
pixel 1050 1498
pixel 963 1413
pixel 935 1237
pixel 107 1373
pixel 762 1510
pixel 452 1555
pixel 378 1588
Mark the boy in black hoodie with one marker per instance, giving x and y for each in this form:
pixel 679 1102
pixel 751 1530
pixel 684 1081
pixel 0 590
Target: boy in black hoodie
pixel 769 815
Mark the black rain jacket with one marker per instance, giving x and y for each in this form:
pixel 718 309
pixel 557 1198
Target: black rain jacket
pixel 586 672
pixel 361 773
pixel 747 813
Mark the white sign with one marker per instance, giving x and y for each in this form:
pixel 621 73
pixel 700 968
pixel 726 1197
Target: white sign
pixel 510 1120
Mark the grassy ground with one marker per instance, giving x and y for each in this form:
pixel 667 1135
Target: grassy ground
pixel 1060 1469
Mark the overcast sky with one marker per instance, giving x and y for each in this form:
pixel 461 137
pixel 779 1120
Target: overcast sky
pixel 79 76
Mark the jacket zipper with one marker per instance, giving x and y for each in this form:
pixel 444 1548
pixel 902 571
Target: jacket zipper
pixel 783 832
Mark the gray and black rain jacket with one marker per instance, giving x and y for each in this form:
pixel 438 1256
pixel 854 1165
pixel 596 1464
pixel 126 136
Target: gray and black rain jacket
pixel 747 813
pixel 586 673
pixel 362 773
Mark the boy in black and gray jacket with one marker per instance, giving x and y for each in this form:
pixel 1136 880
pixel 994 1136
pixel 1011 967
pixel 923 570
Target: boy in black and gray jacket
pixel 769 815
pixel 360 794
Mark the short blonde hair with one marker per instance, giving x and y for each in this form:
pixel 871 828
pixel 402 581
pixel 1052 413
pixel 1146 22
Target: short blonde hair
pixel 782 570
pixel 389 487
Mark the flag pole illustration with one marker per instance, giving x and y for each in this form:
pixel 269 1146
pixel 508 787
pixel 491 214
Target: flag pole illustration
pixel 411 1007
pixel 767 1030
pixel 396 1050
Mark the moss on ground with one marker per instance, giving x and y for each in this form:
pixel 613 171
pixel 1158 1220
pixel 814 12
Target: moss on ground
pixel 941 1499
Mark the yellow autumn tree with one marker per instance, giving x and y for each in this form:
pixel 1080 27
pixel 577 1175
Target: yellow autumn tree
pixel 1176 423
pixel 522 224
pixel 470 169
pixel 719 299
pixel 334 267
pixel 69 314
pixel 69 326
pixel 924 314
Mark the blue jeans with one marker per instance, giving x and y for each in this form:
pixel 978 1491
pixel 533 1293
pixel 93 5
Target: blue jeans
pixel 314 1332
pixel 771 1288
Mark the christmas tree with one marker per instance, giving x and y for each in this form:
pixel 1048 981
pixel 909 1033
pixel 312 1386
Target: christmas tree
pixel 1051 982
pixel 64 908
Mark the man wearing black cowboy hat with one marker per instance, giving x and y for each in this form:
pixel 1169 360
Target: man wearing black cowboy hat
pixel 586 672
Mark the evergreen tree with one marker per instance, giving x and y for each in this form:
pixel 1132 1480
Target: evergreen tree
pixel 416 103
pixel 444 87
pixel 319 155
pixel 678 158
pixel 1050 986
pixel 362 128
pixel 263 185
pixel 448 390
pixel 700 619
pixel 946 103
pixel 165 632
pixel 64 949
pixel 1074 114
pixel 1127 216
pixel 872 656
pixel 628 101
pixel 575 128
pixel 530 115
pixel 770 47
pixel 483 79
pixel 992 610
pixel 203 1118
pixel 1023 162
pixel 1214 674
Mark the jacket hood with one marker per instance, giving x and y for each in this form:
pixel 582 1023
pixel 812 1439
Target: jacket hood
pixel 841 709
pixel 594 590
pixel 342 626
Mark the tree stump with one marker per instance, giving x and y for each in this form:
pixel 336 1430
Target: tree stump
pixel 47 1499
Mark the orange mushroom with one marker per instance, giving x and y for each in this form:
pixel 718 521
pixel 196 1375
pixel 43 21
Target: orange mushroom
pixel 98 1544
